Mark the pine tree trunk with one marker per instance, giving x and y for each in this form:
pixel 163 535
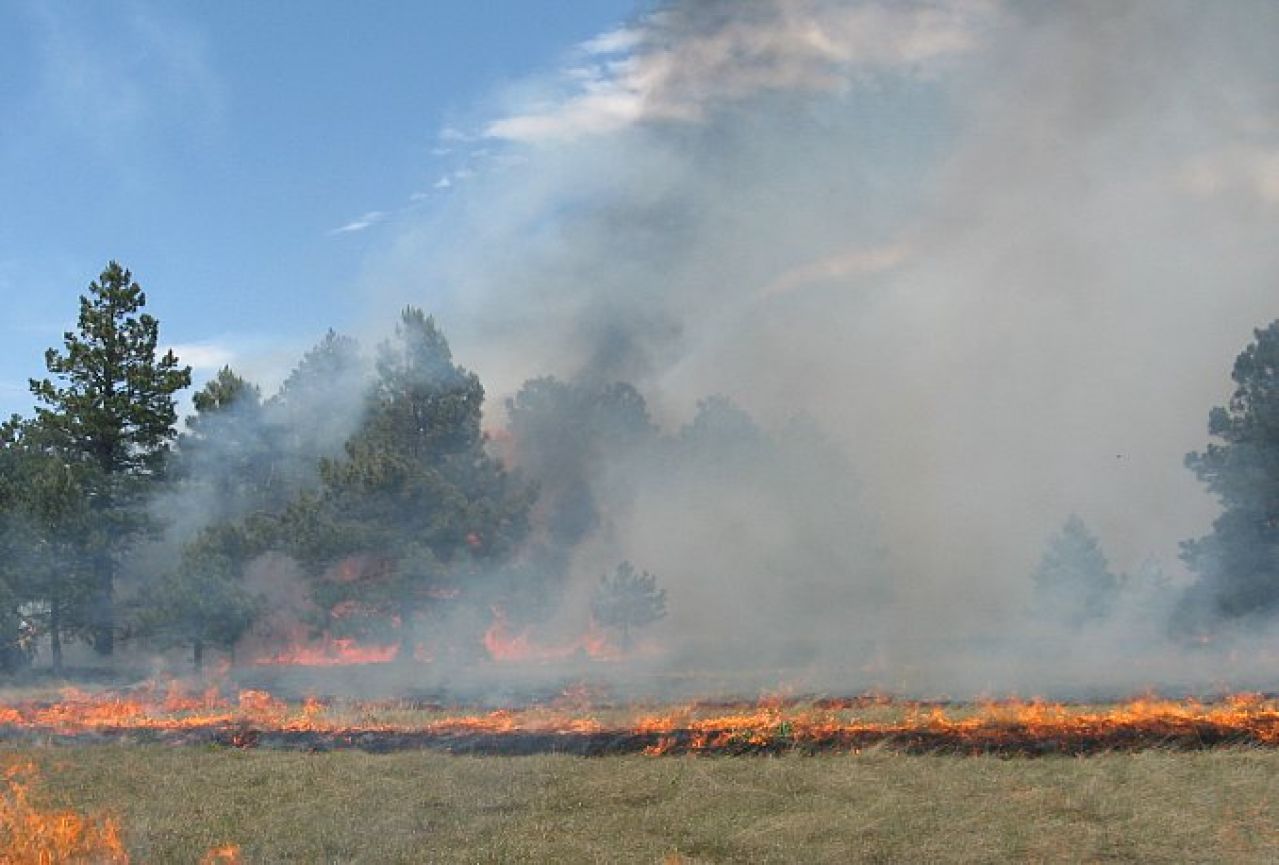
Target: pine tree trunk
pixel 104 607
pixel 407 635
pixel 55 636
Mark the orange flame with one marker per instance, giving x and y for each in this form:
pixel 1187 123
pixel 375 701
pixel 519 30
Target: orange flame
pixel 774 723
pixel 30 836
pixel 331 652
pixel 226 855
pixel 506 644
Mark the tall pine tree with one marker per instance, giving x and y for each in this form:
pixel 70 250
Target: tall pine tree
pixel 109 402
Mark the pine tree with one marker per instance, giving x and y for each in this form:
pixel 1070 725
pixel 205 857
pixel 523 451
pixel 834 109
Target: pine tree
pixel 110 404
pixel 1237 564
pixel 1073 583
pixel 51 534
pixel 565 433
pixel 203 602
pixel 416 507
pixel 227 456
pixel 313 414
pixel 628 600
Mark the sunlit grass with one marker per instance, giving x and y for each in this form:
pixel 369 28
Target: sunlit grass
pixel 1150 806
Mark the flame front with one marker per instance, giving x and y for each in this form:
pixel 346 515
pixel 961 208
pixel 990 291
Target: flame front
pixel 771 724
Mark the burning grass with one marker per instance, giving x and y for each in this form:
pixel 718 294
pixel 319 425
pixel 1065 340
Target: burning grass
pixel 576 724
pixel 857 779
pixel 32 836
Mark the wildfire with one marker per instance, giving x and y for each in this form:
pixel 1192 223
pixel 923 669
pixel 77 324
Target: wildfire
pixel 31 836
pixel 330 652
pixel 574 724
pixel 228 855
pixel 505 643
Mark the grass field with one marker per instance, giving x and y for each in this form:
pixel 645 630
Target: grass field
pixel 877 806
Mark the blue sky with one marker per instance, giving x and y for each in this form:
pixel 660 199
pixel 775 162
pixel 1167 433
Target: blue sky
pixel 217 149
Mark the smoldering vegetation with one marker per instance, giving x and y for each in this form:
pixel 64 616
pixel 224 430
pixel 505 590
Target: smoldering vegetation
pixel 800 344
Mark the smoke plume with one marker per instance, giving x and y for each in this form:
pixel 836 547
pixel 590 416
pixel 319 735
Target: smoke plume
pixel 1000 254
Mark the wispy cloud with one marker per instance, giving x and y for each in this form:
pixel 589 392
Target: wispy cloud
pixel 674 67
pixel 368 220
pixel 451 134
pixel 614 41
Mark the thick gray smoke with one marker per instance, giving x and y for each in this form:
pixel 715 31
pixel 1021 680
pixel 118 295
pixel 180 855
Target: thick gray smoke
pixel 1002 255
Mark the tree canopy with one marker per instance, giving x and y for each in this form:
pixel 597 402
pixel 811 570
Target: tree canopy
pixel 1237 564
pixel 416 507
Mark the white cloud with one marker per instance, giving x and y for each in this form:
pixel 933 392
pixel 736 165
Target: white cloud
pixel 443 183
pixel 614 41
pixel 373 217
pixel 667 70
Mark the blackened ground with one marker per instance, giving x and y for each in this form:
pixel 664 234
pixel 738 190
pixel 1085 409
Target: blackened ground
pixel 1010 740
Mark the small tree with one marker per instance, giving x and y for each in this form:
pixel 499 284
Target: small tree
pixel 51 533
pixel 1073 582
pixel 628 600
pixel 202 602
pixel 110 403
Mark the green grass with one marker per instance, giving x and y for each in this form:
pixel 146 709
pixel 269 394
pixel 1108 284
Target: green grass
pixel 1150 806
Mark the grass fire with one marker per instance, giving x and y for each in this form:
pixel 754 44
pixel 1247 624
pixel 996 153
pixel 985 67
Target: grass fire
pixel 256 719
pixel 670 431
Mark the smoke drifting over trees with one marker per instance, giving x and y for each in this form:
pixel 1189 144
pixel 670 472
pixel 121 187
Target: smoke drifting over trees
pixel 824 313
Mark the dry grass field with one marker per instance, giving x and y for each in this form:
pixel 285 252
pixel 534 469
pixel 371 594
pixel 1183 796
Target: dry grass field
pixel 1151 806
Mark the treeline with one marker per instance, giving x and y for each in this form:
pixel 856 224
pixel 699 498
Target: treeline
pixel 371 480
pixel 378 482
